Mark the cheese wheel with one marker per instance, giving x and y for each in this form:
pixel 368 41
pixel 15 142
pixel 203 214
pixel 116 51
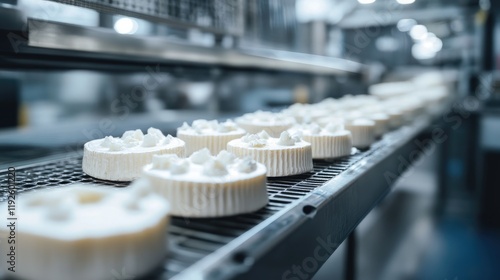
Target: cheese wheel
pixel 206 186
pixel 122 159
pixel 83 232
pixel 284 156
pixel 208 134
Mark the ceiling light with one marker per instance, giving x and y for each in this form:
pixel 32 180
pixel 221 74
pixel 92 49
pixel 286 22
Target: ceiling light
pixel 126 25
pixel 366 1
pixel 405 2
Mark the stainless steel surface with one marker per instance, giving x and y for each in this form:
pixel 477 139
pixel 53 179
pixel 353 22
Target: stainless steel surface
pixel 216 16
pixel 325 204
pixel 58 36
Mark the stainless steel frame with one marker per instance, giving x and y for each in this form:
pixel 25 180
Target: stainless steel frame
pixel 45 36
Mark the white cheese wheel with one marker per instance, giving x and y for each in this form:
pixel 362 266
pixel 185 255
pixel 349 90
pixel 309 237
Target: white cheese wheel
pixel 273 123
pixel 363 132
pixel 122 159
pixel 204 186
pixel 83 232
pixel 284 156
pixel 333 141
pixel 208 134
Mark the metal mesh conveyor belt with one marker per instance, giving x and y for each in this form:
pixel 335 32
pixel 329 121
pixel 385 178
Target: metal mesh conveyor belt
pixel 218 16
pixel 192 240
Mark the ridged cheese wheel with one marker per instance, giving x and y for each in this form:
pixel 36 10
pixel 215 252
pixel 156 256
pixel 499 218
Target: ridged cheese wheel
pixel 122 159
pixel 363 132
pixel 208 134
pixel 205 186
pixel 330 142
pixel 282 156
pixel 83 232
pixel 273 123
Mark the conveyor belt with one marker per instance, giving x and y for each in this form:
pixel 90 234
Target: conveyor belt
pixel 219 248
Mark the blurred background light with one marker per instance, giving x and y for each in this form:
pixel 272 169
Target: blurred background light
pixel 126 25
pixel 432 42
pixel 405 25
pixel 427 48
pixel 366 1
pixel 418 32
pixel 421 52
pixel 311 10
pixel 405 2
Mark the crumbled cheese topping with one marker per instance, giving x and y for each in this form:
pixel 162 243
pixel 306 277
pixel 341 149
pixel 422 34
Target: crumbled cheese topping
pixel 267 118
pixel 164 161
pixel 106 142
pixel 264 135
pixel 314 129
pixel 135 138
pixel 214 167
pixel 203 163
pixel 247 165
pixel 210 127
pixel 226 157
pixel 179 166
pixel 334 127
pixel 133 134
pixel 150 140
pixel 201 156
pixel 286 139
pixel 116 145
pixel 255 140
pixel 171 162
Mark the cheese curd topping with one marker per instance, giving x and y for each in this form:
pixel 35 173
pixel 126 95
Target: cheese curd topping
pixel 263 140
pixel 204 127
pixel 215 168
pixel 287 140
pixel 201 156
pixel 247 165
pixel 226 157
pixel 203 163
pixel 332 127
pixel 134 139
pixel 255 140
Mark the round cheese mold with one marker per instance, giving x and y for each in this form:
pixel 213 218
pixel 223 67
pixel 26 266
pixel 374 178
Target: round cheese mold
pixel 122 159
pixel 273 123
pixel 333 141
pixel 208 134
pixel 204 186
pixel 283 156
pixel 363 132
pixel 83 232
